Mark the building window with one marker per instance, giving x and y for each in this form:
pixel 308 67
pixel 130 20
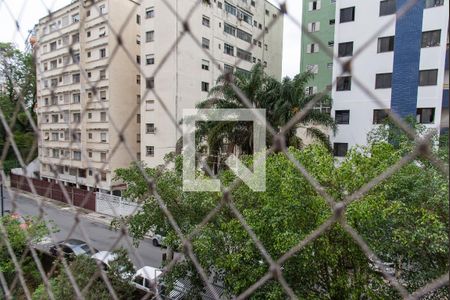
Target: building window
pixel 379 116
pixel 90 136
pixel 76 155
pixel 76 98
pixel 330 65
pixel 150 151
pixel 103 95
pixel 314 5
pixel 428 77
pixel 138 19
pixel 228 68
pixel 150 105
pixel 342 116
pixel 244 35
pixel 332 21
pixel 310 90
pixel 228 49
pixel 102 53
pixel 150 128
pixel 138 59
pixel 230 9
pixel 102 9
pixel 433 3
pixel 345 49
pixel 138 118
pixel 331 44
pixel 340 149
pixel 102 74
pixel 150 59
pixel 425 115
pixel 344 83
pixel 138 79
pixel 103 137
pixel 312 48
pixel 245 55
pixel 312 68
pixel 149 36
pixel 383 81
pixel 385 44
pixel 103 116
pixel 76 117
pixel 150 83
pixel 431 38
pixel 347 15
pixel 205 86
pixel 149 12
pixel 103 176
pixel 314 26
pixel 53 46
pixel 205 43
pixel 387 7
pixel 205 21
pixel 76 78
pixel 205 64
pixel 75 18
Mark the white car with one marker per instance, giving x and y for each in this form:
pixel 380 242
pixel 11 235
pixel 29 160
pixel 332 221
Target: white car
pixel 105 257
pixel 146 277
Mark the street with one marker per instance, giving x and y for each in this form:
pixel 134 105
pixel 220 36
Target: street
pixel 98 233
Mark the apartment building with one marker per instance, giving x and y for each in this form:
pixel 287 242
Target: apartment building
pixel 229 35
pixel 86 91
pixel 318 18
pixel 403 66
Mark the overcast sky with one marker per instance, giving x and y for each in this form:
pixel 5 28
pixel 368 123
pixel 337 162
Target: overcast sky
pixel 28 12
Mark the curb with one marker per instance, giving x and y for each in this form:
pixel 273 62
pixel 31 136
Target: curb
pixel 88 214
pixel 85 213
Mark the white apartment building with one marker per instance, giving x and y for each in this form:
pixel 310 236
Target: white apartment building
pixel 87 91
pixel 184 72
pixel 403 66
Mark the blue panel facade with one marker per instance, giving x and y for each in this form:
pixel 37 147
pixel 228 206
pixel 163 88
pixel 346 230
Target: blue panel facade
pixel 445 99
pixel 407 46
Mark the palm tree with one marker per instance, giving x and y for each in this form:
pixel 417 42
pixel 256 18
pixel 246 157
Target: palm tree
pixel 286 98
pixel 282 100
pixel 230 137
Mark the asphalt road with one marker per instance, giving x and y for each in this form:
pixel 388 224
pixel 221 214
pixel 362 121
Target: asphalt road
pixel 99 234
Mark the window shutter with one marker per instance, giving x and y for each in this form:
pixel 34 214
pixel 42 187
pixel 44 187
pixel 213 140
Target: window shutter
pixel 315 90
pixel 309 27
pixel 308 48
pixel 317 25
pixel 316 48
pixel 310 6
pixel 318 4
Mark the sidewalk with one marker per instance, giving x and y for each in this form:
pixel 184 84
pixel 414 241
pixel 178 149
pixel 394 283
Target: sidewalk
pixel 88 214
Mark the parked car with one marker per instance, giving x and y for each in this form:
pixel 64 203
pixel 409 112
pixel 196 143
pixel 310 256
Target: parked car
pixel 158 240
pixel 146 277
pixel 105 257
pixel 72 247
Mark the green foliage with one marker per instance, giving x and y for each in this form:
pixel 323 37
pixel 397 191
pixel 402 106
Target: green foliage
pixel 20 235
pixel 83 269
pixel 282 100
pixel 403 219
pixel 19 71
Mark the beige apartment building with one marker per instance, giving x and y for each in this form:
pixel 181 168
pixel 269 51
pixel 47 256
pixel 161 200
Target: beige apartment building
pixel 226 30
pixel 87 91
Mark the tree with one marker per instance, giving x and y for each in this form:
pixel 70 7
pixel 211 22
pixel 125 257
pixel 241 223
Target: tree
pixel 18 71
pixel 282 100
pixel 20 233
pixel 404 220
pixel 83 269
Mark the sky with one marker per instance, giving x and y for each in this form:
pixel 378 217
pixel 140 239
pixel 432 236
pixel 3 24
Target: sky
pixel 28 12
